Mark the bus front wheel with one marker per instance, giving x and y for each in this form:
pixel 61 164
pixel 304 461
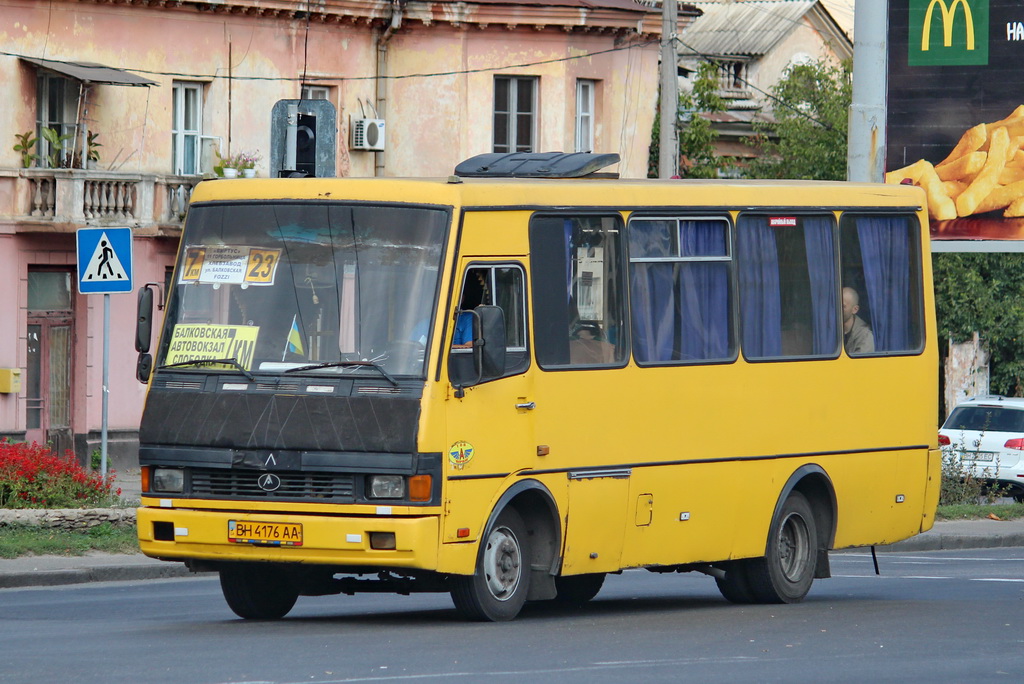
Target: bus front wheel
pixel 575 590
pixel 498 588
pixel 258 592
pixel 785 574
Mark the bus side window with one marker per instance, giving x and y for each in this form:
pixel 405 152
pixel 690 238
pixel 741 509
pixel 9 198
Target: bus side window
pixel 578 291
pixel 787 278
pixel 881 277
pixel 680 294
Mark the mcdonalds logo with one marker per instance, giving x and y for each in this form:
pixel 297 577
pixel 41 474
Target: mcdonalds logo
pixel 948 32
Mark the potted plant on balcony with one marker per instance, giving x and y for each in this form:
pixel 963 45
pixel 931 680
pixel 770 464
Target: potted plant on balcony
pixel 55 157
pixel 247 163
pixel 92 155
pixel 26 141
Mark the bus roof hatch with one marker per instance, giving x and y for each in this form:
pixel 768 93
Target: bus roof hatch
pixel 536 165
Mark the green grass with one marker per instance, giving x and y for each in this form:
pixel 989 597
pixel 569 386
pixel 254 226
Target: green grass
pixel 25 540
pixel 978 511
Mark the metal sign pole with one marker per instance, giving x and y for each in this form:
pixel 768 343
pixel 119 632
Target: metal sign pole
pixel 106 385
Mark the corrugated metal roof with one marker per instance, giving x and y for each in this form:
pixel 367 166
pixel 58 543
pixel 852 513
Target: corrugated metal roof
pixel 748 28
pixel 90 72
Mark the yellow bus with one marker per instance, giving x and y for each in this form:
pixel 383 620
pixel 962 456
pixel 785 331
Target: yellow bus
pixel 508 383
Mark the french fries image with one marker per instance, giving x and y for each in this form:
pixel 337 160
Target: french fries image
pixel 984 172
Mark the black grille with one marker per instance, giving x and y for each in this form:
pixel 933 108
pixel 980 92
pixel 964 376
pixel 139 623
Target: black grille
pixel 210 482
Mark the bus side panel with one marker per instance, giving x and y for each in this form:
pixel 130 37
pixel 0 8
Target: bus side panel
pixel 699 512
pixel 881 497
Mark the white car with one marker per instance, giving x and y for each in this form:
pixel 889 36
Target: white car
pixel 987 435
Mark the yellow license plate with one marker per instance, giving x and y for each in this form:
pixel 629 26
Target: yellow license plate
pixel 264 533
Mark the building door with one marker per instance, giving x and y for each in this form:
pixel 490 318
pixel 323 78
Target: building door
pixel 50 336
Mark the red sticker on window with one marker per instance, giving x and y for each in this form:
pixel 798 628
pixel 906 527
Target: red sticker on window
pixel 778 221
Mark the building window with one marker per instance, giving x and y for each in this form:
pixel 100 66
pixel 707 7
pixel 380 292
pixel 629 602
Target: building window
pixel 315 93
pixel 585 115
pixel 56 108
pixel 515 113
pixel 187 128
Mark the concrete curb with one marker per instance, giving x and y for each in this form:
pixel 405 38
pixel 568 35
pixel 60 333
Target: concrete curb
pixel 83 575
pixel 954 541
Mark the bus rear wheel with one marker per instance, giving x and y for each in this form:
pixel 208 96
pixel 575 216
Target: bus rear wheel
pixel 785 574
pixel 498 588
pixel 258 593
pixel 735 584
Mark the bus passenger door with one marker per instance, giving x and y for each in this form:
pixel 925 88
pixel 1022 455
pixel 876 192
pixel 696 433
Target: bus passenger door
pixel 490 427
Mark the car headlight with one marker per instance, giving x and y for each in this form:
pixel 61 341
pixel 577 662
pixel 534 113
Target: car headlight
pixel 168 480
pixel 387 487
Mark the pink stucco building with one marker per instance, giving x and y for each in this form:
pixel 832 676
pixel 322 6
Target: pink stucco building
pixel 148 93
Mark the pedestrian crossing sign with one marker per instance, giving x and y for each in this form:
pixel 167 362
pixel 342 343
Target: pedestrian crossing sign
pixel 104 260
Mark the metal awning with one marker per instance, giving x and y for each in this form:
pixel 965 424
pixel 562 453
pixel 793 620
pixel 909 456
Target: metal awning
pixel 90 72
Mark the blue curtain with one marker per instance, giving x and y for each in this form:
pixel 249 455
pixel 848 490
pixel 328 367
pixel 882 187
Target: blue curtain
pixel 680 309
pixel 703 292
pixel 885 252
pixel 821 270
pixel 760 293
pixel 651 284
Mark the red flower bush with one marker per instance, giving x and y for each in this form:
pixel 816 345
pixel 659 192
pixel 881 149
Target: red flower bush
pixel 32 476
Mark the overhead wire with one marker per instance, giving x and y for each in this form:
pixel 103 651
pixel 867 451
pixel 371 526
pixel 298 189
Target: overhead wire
pixel 287 79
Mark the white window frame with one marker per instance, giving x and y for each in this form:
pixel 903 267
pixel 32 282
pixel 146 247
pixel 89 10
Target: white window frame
pixel 585 89
pixel 63 121
pixel 515 110
pixel 187 96
pixel 315 92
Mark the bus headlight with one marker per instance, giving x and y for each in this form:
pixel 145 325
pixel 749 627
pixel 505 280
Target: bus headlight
pixel 387 487
pixel 168 480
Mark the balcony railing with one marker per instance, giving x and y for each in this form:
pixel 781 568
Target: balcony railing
pixel 63 200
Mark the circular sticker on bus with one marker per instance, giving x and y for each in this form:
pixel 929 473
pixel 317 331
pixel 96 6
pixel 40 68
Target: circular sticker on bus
pixel 459 454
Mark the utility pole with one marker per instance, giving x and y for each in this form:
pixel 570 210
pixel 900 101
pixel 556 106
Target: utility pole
pixel 866 146
pixel 668 138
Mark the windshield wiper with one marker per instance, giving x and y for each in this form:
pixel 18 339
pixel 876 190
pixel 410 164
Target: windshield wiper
pixel 206 362
pixel 344 364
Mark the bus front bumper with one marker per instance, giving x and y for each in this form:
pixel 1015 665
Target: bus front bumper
pixel 183 534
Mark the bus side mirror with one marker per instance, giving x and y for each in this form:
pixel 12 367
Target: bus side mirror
pixel 144 321
pixel 144 367
pixel 144 333
pixel 489 357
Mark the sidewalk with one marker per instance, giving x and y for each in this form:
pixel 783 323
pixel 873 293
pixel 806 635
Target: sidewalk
pixel 37 571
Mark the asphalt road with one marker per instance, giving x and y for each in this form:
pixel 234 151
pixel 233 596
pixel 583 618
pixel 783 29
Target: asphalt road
pixel 942 616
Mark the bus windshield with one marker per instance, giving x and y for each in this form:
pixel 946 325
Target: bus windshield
pixel 294 286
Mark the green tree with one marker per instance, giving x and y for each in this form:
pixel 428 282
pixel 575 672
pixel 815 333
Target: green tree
pixel 984 293
pixel 807 139
pixel 697 158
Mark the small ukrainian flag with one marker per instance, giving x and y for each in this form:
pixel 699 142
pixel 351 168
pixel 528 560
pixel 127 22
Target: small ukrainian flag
pixel 295 337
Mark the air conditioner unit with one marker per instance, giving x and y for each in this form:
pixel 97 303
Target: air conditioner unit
pixel 367 134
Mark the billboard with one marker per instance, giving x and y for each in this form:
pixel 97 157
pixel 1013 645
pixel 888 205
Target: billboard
pixel 956 116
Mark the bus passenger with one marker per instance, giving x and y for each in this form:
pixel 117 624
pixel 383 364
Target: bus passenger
pixel 857 335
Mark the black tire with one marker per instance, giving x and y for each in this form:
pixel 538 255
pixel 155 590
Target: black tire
pixel 735 586
pixel 497 590
pixel 575 590
pixel 257 592
pixel 786 573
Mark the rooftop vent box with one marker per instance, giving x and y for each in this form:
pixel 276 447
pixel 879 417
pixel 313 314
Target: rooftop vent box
pixel 367 134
